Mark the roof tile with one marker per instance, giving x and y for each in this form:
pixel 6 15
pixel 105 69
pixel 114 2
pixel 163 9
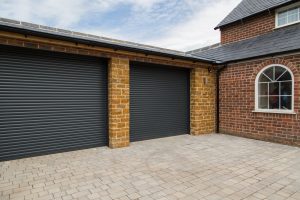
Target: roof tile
pixel 279 41
pixel 248 8
pixel 5 23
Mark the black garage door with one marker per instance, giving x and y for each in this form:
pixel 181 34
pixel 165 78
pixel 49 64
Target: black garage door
pixel 159 101
pixel 50 102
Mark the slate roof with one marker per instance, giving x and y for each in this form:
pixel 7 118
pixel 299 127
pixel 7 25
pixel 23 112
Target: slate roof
pixel 282 40
pixel 248 8
pixel 51 32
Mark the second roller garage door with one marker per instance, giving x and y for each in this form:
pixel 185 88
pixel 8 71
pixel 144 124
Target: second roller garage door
pixel 159 101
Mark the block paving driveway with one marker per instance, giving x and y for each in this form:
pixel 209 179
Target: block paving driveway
pixel 208 167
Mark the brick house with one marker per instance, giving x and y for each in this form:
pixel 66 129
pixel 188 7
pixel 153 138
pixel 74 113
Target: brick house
pixel 259 81
pixel 63 90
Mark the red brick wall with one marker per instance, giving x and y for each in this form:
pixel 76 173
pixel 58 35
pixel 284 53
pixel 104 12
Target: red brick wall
pixel 237 101
pixel 249 28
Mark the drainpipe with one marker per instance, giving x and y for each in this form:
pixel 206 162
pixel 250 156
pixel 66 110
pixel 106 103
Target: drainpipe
pixel 220 68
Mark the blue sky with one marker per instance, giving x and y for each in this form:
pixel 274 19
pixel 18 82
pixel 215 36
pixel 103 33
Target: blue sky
pixel 175 24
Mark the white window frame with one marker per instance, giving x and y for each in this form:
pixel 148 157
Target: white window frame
pixel 257 109
pixel 286 8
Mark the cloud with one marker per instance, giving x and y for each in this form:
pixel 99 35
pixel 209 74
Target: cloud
pixel 175 24
pixel 198 30
pixel 64 13
pixel 50 12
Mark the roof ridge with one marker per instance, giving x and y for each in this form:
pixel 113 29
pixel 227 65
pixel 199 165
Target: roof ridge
pixel 205 48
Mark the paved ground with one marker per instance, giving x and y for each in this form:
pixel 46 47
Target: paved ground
pixel 208 167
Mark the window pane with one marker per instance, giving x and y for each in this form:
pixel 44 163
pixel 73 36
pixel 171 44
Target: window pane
pixel 286 88
pixel 270 72
pixel 274 88
pixel 263 89
pixel 282 18
pixel 263 102
pixel 263 78
pixel 279 71
pixel 285 77
pixel 293 18
pixel 274 102
pixel 293 15
pixel 282 15
pixel 286 102
pixel 282 22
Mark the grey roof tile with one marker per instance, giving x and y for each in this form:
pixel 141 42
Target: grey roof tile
pixel 279 41
pixel 11 21
pixel 64 31
pixel 48 28
pixel 248 8
pixel 30 25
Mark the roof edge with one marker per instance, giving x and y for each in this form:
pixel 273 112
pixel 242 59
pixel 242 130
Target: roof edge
pixel 32 29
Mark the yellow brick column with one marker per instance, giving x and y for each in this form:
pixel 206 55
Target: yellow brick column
pixel 202 101
pixel 118 102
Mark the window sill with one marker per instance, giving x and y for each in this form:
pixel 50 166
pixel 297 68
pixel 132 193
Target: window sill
pixel 275 112
pixel 289 24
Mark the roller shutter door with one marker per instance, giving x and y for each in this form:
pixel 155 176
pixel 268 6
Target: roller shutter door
pixel 50 102
pixel 159 101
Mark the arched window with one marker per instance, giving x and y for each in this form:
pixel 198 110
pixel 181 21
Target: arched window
pixel 274 89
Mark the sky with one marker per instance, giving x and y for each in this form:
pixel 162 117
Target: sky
pixel 175 24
